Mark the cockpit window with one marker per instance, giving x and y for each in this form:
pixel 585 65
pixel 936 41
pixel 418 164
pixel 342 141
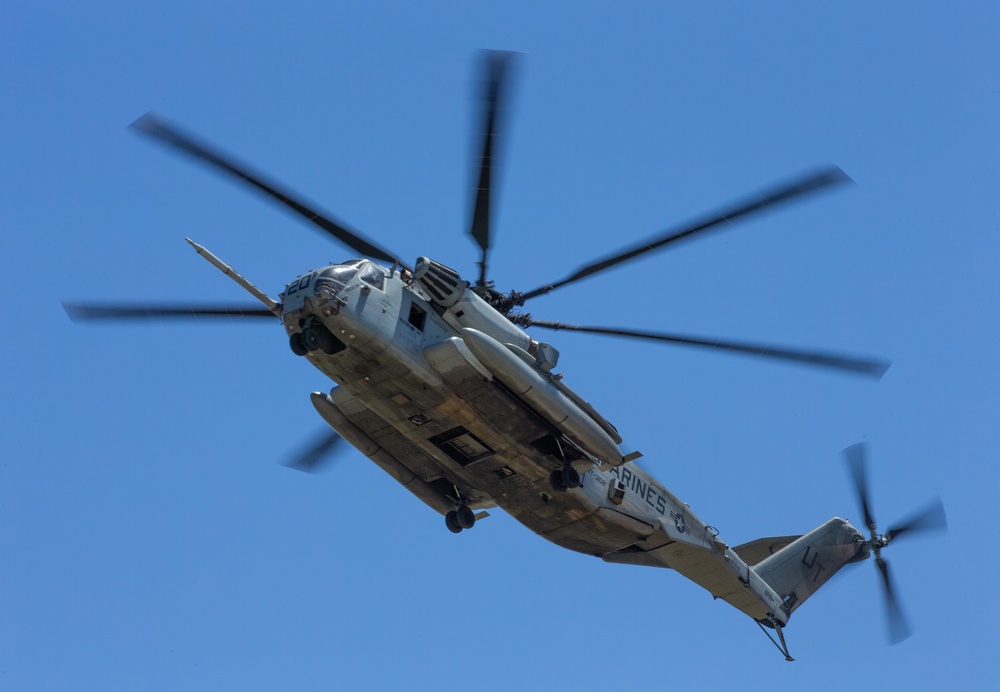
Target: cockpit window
pixel 373 274
pixel 341 273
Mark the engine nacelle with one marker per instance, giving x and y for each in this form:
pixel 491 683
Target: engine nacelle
pixel 461 307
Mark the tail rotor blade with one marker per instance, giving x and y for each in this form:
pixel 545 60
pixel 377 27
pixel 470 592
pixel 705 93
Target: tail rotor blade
pixel 931 518
pixel 857 463
pixel 899 628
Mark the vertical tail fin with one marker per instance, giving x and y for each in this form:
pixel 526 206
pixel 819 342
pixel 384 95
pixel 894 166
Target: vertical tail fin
pixel 800 568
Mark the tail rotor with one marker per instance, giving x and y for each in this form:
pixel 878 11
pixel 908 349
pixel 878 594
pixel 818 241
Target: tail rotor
pixel 929 519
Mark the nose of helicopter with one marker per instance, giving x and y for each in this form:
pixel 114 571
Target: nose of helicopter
pixel 319 312
pixel 316 292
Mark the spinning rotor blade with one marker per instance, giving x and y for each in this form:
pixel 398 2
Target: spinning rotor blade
pixel 495 67
pixel 857 463
pixel 899 629
pixel 932 517
pixel 861 366
pixel 156 128
pixel 799 187
pixel 929 519
pixel 317 455
pixel 103 311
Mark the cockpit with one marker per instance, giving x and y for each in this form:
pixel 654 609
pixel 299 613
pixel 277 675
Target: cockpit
pixel 323 293
pixel 338 276
pixel 326 288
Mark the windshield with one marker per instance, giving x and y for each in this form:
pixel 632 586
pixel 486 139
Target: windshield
pixel 341 273
pixel 332 280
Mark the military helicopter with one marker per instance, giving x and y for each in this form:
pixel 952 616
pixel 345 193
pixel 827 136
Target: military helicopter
pixel 436 381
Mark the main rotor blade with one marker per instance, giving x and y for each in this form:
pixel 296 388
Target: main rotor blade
pixel 495 67
pixel 861 366
pixel 899 629
pixel 929 519
pixel 857 463
pixel 317 455
pixel 156 128
pixel 108 311
pixel 799 187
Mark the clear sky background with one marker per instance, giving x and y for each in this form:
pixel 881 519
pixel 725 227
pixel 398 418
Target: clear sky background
pixel 150 538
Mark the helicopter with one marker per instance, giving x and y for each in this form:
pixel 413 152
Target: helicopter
pixel 437 381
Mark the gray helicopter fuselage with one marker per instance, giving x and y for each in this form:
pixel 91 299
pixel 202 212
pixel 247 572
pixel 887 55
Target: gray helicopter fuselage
pixel 412 396
pixel 437 384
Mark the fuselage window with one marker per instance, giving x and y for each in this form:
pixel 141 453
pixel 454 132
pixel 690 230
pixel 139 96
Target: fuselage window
pixel 417 316
pixel 373 276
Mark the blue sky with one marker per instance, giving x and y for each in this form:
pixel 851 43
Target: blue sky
pixel 151 540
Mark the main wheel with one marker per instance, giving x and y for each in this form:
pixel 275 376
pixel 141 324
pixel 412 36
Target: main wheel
pixel 556 481
pixel 570 476
pixel 297 344
pixel 317 337
pixel 465 517
pixel 451 521
pixel 314 337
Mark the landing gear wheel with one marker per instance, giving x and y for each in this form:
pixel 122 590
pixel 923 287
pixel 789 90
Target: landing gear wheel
pixel 316 337
pixel 451 521
pixel 465 517
pixel 571 477
pixel 297 344
pixel 556 481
